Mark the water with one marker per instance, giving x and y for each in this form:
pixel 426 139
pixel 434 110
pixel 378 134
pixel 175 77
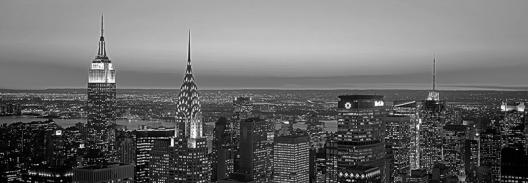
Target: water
pixel 65 123
pixel 330 125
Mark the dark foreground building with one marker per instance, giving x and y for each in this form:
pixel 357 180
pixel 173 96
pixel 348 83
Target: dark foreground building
pixel 116 173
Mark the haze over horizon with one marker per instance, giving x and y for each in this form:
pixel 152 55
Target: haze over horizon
pixel 268 44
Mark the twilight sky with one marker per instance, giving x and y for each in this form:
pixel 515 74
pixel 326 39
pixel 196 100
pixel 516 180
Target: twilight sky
pixel 268 44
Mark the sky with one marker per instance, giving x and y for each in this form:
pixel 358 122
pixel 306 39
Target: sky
pixel 268 44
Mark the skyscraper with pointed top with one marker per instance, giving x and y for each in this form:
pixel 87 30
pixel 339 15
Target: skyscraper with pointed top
pixel 184 158
pixel 432 120
pixel 189 114
pixel 101 106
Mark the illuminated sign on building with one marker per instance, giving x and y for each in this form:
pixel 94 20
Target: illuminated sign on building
pixel 348 105
pixel 378 103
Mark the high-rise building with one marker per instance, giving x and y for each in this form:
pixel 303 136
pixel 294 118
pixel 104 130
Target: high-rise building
pixel 490 157
pixel 126 147
pixel 101 107
pixel 453 149
pixel 224 150
pixel 144 143
pixel 512 126
pixel 185 158
pixel 398 138
pixel 256 146
pixel 358 152
pixel 291 159
pixel 410 110
pixel 432 119
pixel 242 110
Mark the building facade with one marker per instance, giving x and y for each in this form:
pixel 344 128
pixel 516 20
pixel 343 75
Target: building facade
pixel 291 159
pixel 101 107
pixel 358 152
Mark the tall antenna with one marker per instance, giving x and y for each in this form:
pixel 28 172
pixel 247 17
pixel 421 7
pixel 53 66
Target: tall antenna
pixel 434 73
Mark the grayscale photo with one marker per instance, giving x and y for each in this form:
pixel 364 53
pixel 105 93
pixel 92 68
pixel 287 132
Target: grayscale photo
pixel 263 91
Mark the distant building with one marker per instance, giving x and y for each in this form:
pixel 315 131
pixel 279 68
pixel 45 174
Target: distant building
pixel 358 152
pixel 256 146
pixel 291 159
pixel 117 173
pixel 101 107
pixel 7 109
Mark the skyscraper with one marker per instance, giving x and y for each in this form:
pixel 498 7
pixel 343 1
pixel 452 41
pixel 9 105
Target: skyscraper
pixel 358 152
pixel 490 158
pixel 101 106
pixel 397 137
pixel 512 126
pixel 144 142
pixel 184 158
pixel 432 119
pixel 291 159
pixel 224 150
pixel 256 146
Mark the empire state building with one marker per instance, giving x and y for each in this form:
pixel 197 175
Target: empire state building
pixel 101 105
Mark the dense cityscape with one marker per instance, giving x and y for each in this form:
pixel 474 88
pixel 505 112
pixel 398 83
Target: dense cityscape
pixel 103 133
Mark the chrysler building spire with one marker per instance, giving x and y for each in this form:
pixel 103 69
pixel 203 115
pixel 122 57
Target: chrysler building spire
pixel 189 109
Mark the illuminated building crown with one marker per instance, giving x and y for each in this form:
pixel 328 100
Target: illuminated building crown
pixel 101 69
pixel 189 109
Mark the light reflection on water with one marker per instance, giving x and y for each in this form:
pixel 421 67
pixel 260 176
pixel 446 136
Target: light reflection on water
pixel 131 125
pixel 331 125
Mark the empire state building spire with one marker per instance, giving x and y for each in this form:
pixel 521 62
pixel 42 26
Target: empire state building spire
pixel 189 109
pixel 101 52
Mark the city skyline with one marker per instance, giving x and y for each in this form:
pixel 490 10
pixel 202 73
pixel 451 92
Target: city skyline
pixel 382 44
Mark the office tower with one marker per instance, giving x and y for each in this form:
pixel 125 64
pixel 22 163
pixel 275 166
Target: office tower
pixel 144 143
pixel 357 154
pixel 398 138
pixel 453 148
pixel 160 163
pixel 224 150
pixel 317 135
pixel 512 127
pixel 432 119
pixel 184 158
pixel 242 109
pixel 117 173
pixel 490 158
pixel 126 147
pixel 256 146
pixel 514 165
pixel 101 107
pixel 291 159
pixel 409 109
